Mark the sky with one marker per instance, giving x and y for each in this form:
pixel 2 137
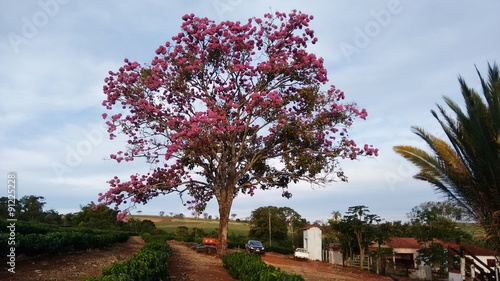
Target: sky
pixel 395 58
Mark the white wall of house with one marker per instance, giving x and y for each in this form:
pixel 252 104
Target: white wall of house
pixel 414 252
pixel 312 242
pixel 335 257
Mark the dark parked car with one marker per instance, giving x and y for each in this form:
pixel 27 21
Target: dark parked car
pixel 255 246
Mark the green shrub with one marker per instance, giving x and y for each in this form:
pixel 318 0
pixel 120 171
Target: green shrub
pixel 182 234
pixel 243 266
pixel 236 245
pixel 26 227
pixel 148 264
pixel 270 273
pixel 279 250
pixel 160 238
pixel 61 240
pixel 249 267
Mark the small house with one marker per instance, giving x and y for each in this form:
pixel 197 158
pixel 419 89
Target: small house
pixel 405 251
pixel 313 241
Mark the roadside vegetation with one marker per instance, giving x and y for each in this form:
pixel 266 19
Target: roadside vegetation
pixel 279 228
pixel 249 267
pixel 148 264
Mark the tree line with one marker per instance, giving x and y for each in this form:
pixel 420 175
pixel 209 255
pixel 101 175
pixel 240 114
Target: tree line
pixel 431 223
pixel 30 208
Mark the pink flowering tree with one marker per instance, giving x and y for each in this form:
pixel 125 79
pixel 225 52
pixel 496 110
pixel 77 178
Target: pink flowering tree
pixel 228 108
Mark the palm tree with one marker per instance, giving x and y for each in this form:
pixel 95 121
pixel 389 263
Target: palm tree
pixel 467 167
pixel 336 215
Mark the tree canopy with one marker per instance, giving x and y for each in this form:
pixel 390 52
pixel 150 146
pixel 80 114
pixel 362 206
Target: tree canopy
pixel 228 108
pixel 467 167
pixel 357 228
pixel 278 220
pixel 29 208
pixel 443 209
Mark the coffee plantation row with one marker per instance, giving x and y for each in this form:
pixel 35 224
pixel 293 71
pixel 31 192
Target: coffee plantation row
pixel 148 264
pixel 38 238
pixel 249 267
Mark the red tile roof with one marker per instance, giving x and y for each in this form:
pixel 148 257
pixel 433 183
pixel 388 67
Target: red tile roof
pixel 473 249
pixel 308 227
pixel 412 243
pixel 403 242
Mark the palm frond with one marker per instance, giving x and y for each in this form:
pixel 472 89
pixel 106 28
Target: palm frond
pixel 465 167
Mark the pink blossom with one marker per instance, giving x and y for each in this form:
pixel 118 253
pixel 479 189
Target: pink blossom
pixel 221 101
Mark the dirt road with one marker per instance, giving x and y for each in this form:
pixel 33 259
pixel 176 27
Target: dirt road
pixel 184 265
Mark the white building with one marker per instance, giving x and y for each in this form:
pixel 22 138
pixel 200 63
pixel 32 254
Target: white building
pixel 313 242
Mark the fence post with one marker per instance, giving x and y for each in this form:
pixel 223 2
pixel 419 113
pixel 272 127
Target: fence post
pixel 462 267
pixel 497 269
pixel 472 272
pixel 394 260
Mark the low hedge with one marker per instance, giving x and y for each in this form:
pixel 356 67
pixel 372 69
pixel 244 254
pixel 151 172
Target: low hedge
pixel 148 264
pixel 236 245
pixel 249 267
pixel 280 250
pixel 62 241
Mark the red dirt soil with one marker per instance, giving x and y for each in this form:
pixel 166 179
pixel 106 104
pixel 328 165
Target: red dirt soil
pixel 185 264
pixel 72 266
pixel 319 271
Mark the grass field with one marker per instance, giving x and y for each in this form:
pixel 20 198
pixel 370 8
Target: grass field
pixel 171 224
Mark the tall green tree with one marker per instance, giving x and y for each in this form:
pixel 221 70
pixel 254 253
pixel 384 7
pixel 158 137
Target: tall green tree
pixel 358 226
pixel 94 216
pixel 268 223
pixel 443 209
pixel 432 225
pixel 336 215
pixel 466 167
pixel 31 208
pixel 276 220
pixel 344 232
pixel 4 207
pixel 295 224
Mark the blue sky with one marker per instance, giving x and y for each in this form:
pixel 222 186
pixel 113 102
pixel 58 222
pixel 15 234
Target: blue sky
pixel 397 59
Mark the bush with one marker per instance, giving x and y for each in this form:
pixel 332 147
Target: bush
pixel 243 266
pixel 27 227
pixel 182 234
pixel 249 267
pixel 280 250
pixel 148 264
pixel 38 238
pixel 236 245
pixel 160 238
pixel 270 273
pixel 67 240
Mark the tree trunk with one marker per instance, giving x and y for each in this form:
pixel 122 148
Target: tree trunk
pixel 359 237
pixel 224 211
pixel 361 258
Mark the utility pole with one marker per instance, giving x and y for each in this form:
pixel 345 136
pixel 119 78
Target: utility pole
pixel 269 227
